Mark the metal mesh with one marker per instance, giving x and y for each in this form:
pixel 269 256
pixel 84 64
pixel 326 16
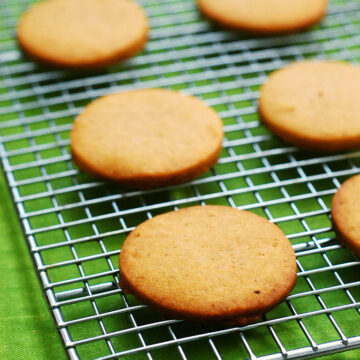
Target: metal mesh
pixel 75 225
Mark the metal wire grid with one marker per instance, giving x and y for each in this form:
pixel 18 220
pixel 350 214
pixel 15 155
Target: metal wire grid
pixel 74 225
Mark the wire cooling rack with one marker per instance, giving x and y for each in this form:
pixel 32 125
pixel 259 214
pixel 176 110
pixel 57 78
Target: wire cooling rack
pixel 74 224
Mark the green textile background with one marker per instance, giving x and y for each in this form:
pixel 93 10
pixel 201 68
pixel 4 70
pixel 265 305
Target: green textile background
pixel 26 327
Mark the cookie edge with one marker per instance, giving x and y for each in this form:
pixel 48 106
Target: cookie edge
pixel 115 58
pixel 151 181
pixel 235 317
pixel 257 30
pixel 300 140
pixel 341 235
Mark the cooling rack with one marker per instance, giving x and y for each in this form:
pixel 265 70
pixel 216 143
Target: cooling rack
pixel 74 225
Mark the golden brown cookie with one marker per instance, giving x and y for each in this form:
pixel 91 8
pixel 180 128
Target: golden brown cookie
pixel 147 138
pixel 345 212
pixel 264 16
pixel 83 33
pixel 314 105
pixel 208 263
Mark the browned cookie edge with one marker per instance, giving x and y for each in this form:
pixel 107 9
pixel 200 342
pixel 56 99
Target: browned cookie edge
pixel 121 55
pixel 238 316
pixel 234 319
pixel 302 141
pixel 338 227
pixel 150 181
pixel 257 30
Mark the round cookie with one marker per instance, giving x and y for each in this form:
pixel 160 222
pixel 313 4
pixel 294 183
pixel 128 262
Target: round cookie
pixel 314 105
pixel 147 138
pixel 345 212
pixel 83 33
pixel 264 16
pixel 208 263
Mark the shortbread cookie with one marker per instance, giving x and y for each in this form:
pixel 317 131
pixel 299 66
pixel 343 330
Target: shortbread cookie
pixel 208 263
pixel 345 212
pixel 147 138
pixel 314 105
pixel 265 16
pixel 83 33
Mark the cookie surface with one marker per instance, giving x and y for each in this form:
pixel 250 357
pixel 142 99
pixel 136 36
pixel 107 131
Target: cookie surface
pixel 314 105
pixel 264 16
pixel 208 263
pixel 345 212
pixel 147 138
pixel 83 33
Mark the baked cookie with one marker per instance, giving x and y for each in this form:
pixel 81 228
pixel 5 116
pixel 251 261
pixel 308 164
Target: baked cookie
pixel 314 105
pixel 208 263
pixel 265 16
pixel 147 138
pixel 83 33
pixel 345 212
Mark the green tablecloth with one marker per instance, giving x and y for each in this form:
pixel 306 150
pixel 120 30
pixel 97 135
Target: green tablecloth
pixel 26 328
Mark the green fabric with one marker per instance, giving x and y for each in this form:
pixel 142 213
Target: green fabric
pixel 26 328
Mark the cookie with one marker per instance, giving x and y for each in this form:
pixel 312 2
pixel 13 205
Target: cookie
pixel 314 105
pixel 83 33
pixel 264 16
pixel 208 264
pixel 345 212
pixel 147 138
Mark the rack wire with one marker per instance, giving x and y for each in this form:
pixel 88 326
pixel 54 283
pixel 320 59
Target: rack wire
pixel 74 224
